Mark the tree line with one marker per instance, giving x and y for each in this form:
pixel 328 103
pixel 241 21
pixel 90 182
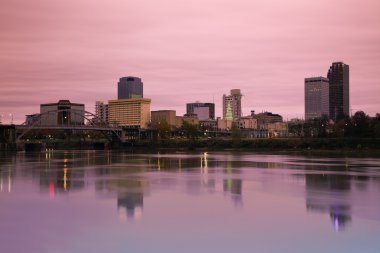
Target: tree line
pixel 359 125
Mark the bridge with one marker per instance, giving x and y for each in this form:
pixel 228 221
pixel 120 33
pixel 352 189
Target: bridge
pixel 67 119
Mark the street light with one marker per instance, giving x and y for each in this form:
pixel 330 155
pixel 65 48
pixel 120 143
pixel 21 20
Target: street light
pixel 11 116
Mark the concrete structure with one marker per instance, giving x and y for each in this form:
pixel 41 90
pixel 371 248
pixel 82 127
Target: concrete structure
pixel 101 112
pixel 168 116
pixel 203 110
pixel 316 97
pixel 232 103
pixel 62 113
pixel 247 122
pixel 130 87
pixel 134 112
pixel 339 93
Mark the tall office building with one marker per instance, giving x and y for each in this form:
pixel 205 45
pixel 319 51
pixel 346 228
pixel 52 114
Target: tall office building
pixel 130 87
pixel 316 97
pixel 203 110
pixel 232 105
pixel 339 92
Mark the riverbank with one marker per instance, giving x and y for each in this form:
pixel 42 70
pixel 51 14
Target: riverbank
pixel 278 144
pixel 267 144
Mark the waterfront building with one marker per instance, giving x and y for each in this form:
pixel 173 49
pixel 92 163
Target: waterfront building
pixel 316 97
pixel 130 87
pixel 134 112
pixel 232 104
pixel 339 97
pixel 224 124
pixel 208 124
pixel 191 118
pixel 101 112
pixel 246 122
pixel 266 118
pixel 203 110
pixel 62 113
pixel 168 116
pixel 277 129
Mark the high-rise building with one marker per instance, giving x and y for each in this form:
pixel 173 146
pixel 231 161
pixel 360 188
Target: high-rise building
pixel 101 112
pixel 316 97
pixel 134 112
pixel 339 92
pixel 130 87
pixel 203 110
pixel 232 105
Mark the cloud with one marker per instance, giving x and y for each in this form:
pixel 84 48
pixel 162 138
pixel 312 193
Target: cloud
pixel 185 51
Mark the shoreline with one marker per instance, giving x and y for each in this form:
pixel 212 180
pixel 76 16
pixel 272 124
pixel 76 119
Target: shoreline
pixel 277 145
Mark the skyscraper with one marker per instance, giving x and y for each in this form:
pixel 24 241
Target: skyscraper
pixel 339 93
pixel 316 97
pixel 130 87
pixel 232 103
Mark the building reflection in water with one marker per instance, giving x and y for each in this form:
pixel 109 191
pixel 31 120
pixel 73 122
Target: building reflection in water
pixel 6 182
pixel 129 193
pixel 234 187
pixel 330 193
pixel 206 181
pixel 130 205
pixel 7 163
pixel 64 172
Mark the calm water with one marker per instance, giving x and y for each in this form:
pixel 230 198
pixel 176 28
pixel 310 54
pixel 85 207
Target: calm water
pixel 87 201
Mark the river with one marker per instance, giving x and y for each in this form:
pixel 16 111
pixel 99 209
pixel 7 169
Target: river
pixel 108 201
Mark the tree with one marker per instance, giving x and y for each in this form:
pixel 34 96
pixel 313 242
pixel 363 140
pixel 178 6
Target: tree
pixel 360 122
pixel 163 129
pixel 190 130
pixel 343 127
pixel 236 135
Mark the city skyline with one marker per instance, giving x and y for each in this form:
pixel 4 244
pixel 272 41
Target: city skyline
pixel 185 52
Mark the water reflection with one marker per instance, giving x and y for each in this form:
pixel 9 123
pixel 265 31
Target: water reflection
pixel 335 187
pixel 234 187
pixel 7 162
pixel 330 193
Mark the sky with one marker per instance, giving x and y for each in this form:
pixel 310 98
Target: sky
pixel 185 51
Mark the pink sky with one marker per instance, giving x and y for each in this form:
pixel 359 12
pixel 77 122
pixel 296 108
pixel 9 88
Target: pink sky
pixel 185 51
